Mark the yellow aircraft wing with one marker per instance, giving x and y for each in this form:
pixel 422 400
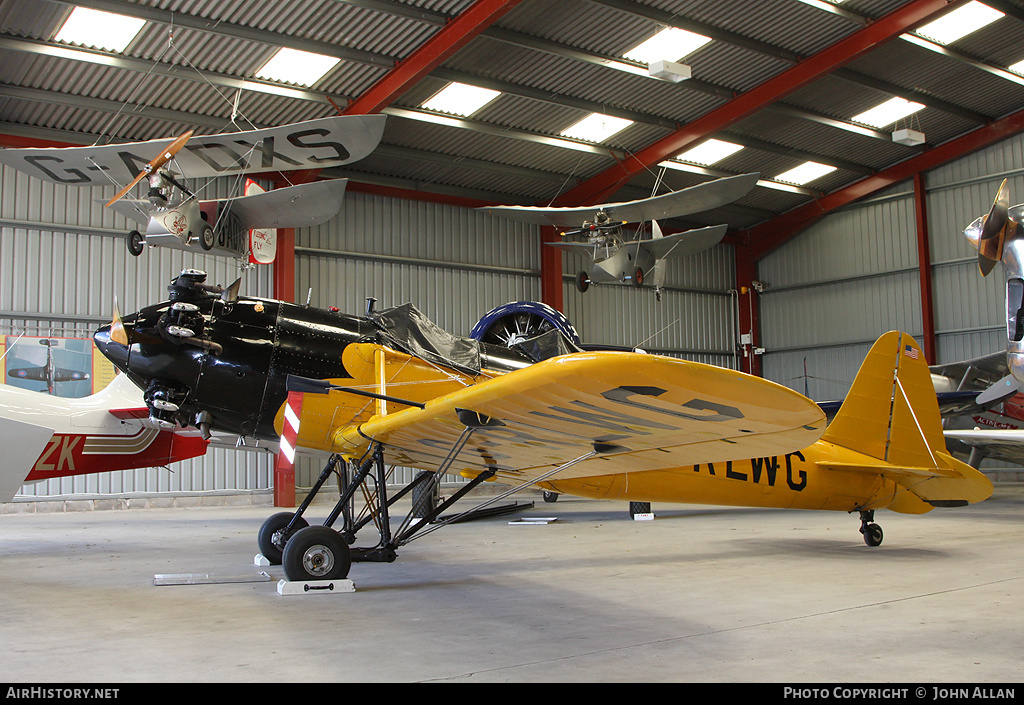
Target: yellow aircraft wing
pixel 640 412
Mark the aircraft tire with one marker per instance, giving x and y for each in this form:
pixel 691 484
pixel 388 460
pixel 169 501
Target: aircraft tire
pixel 207 239
pixel 550 496
pixel 872 535
pixel 638 277
pixel 316 553
pixel 265 538
pixel 582 282
pixel 136 244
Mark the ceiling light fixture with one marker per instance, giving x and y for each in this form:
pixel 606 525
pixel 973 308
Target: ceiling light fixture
pixel 596 127
pixel 887 113
pixel 99 30
pixel 709 152
pixel 460 99
pixel 959 23
pixel 300 67
pixel 805 173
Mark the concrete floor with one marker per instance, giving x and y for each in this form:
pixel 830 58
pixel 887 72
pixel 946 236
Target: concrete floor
pixel 699 594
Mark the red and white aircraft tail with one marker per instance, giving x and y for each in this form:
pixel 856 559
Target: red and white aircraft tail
pixel 44 436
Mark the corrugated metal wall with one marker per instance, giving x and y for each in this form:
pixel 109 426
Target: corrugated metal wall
pixel 63 260
pixel 854 275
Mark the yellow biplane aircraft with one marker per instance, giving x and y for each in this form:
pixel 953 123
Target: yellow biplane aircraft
pixel 392 389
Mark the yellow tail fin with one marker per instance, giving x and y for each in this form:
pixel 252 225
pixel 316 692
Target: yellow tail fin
pixel 892 414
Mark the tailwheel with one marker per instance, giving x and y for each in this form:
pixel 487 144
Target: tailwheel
pixel 872 532
pixel 316 553
pixel 582 282
pixel 274 535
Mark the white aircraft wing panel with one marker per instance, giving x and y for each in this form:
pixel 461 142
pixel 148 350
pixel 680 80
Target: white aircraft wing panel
pixel 315 144
pixel 290 207
pixel 687 243
pixel 694 199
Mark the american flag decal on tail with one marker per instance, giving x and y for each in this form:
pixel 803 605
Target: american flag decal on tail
pixel 911 352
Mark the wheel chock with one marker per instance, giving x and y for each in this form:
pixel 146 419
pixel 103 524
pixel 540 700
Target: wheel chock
pixel 314 587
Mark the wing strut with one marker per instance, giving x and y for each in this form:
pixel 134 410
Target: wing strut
pixel 322 552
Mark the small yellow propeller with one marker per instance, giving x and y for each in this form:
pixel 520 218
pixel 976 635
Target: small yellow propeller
pixel 161 159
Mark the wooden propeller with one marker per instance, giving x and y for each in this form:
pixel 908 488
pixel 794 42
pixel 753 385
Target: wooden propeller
pixel 155 164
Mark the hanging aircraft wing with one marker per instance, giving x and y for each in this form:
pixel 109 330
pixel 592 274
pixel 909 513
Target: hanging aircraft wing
pixel 694 199
pixel 639 412
pixel 683 244
pixel 298 206
pixel 315 144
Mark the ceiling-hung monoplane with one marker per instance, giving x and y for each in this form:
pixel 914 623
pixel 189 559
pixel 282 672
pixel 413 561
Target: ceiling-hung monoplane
pixel 174 215
pixel 390 388
pixel 639 261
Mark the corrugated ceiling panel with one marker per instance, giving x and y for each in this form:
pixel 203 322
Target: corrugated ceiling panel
pixel 790 25
pixel 907 64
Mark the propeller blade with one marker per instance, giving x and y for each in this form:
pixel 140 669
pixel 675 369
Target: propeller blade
pixel 118 334
pixel 157 162
pixel 995 227
pixel 230 295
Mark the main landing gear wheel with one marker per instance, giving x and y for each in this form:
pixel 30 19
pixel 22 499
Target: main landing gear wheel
pixel 582 282
pixel 872 532
pixel 207 240
pixel 638 277
pixel 272 537
pixel 316 553
pixel 136 243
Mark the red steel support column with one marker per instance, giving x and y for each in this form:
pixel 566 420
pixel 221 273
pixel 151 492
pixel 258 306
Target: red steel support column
pixel 749 313
pixel 550 269
pixel 924 266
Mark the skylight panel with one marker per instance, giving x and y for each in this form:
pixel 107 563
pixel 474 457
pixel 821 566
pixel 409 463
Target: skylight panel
pixel 805 173
pixel 709 152
pixel 596 127
pixel 294 66
pixel 887 113
pixel 1017 68
pixel 99 30
pixel 460 99
pixel 959 23
pixel 670 44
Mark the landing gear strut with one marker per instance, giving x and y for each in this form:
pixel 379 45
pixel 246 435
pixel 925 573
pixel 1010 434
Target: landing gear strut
pixel 872 532
pixel 326 553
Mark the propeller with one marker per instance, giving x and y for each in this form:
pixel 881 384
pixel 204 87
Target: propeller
pixel 118 334
pixel 155 164
pixel 989 233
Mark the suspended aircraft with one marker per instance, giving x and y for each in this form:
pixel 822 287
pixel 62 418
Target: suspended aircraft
pixel 638 261
pixel 174 215
pixel 392 389
pixel 45 437
pixel 48 373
